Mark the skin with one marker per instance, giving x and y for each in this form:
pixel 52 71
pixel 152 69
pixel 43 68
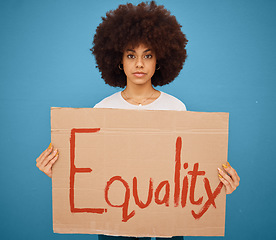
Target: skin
pixel 47 159
pixel 229 178
pixel 139 65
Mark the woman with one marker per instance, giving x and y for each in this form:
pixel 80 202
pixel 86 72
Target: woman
pixel 138 48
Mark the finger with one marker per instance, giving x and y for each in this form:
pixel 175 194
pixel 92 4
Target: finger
pixel 236 177
pixel 232 172
pixel 51 162
pixel 228 187
pixel 227 178
pixel 47 151
pixel 41 164
pixel 236 173
pixel 48 168
pixel 48 158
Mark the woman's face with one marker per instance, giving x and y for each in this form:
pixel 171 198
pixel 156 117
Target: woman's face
pixel 139 65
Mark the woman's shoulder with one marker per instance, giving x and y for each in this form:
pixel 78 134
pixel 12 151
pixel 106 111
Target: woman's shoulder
pixel 171 102
pixel 109 101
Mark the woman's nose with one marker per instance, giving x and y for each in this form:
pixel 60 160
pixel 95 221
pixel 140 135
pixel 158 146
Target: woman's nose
pixel 139 62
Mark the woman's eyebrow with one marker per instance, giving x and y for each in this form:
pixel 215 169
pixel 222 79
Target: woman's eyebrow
pixel 131 50
pixel 148 50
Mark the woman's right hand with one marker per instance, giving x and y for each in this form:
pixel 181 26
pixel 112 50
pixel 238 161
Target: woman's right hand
pixel 47 159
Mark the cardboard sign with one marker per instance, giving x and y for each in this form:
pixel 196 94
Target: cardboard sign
pixel 139 173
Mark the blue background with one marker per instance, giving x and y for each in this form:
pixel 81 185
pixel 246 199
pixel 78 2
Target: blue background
pixel 45 61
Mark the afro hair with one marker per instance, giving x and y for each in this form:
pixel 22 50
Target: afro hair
pixel 130 25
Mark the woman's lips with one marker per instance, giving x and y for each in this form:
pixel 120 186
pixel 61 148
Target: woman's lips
pixel 139 74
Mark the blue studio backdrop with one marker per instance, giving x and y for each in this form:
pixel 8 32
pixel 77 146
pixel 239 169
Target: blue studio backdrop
pixel 45 61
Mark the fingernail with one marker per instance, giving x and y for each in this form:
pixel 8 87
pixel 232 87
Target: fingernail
pixel 219 175
pixel 225 166
pixel 219 170
pixel 50 146
pixel 228 164
pixel 56 152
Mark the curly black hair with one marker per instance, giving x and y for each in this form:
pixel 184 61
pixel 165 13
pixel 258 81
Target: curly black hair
pixel 130 25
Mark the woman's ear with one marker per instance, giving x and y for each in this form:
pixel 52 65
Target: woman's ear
pixel 157 67
pixel 121 67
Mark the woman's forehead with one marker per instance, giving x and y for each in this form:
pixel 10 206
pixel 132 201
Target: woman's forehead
pixel 141 47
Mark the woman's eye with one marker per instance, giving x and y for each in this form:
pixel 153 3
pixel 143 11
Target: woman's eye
pixel 130 56
pixel 149 56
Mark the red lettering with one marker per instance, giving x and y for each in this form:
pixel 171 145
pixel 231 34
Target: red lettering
pixel 166 195
pixel 184 188
pixel 211 198
pixel 177 171
pixel 184 192
pixel 135 194
pixel 125 204
pixel 74 170
pixel 194 174
pixel 162 192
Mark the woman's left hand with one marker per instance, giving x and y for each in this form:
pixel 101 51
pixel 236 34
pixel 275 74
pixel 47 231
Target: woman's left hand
pixel 229 178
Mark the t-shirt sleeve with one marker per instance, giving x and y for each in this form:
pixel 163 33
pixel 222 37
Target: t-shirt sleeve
pixel 169 102
pixel 182 107
pixel 112 101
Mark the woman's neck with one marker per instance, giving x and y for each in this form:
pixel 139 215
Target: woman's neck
pixel 139 91
pixel 140 94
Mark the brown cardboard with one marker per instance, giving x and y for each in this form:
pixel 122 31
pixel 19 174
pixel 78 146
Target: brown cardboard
pixel 138 173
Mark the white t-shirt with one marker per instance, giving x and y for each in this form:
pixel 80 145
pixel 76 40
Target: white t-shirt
pixel 163 102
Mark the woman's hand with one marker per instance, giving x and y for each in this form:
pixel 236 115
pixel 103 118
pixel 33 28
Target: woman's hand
pixel 47 159
pixel 230 179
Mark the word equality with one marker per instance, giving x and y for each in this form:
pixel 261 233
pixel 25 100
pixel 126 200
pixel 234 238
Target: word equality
pixel 180 193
